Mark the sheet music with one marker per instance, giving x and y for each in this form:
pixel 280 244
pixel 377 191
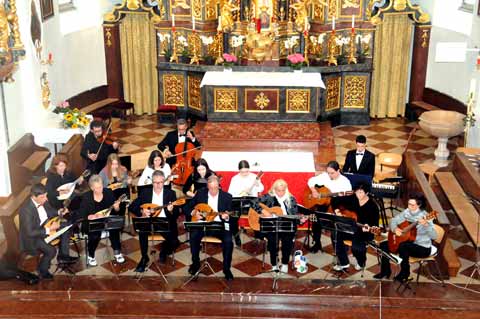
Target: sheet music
pixel 57 234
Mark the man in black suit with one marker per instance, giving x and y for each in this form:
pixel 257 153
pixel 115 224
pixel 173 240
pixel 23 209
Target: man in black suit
pixel 91 144
pixel 360 160
pixel 219 201
pixel 180 135
pixel 33 216
pixel 160 196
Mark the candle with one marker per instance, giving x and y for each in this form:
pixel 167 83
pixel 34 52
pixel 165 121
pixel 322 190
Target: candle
pixel 173 20
pixel 219 28
pixel 50 56
pixel 473 87
pixel 193 23
pixel 353 22
pixel 333 23
pixel 306 23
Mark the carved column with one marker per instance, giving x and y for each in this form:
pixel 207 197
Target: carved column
pixel 421 43
pixel 113 60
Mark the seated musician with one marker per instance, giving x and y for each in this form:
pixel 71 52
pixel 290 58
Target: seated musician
pixel 219 201
pixel 160 196
pixel 367 215
pixel 57 175
pixel 335 182
pixel 245 183
pixel 181 135
pixel 156 162
pixel 114 172
pixel 91 145
pixel 279 196
pixel 33 216
pixel 198 179
pixel 360 160
pixel 100 198
pixel 420 248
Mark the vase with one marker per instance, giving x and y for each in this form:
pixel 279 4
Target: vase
pixel 227 69
pixel 298 71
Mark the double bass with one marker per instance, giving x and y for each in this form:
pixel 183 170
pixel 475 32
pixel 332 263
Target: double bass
pixel 185 153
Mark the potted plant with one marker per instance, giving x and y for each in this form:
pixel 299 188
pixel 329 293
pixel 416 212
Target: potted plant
pixel 295 61
pixel 228 61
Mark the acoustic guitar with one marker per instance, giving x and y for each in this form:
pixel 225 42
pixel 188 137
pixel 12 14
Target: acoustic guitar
pixel 207 213
pixel 254 216
pixel 409 232
pixel 157 209
pixel 324 197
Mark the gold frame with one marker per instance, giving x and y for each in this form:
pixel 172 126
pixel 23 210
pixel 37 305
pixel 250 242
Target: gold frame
pixel 215 90
pixel 365 82
pixel 288 104
pixel 339 82
pixel 261 90
pixel 164 82
pixel 190 81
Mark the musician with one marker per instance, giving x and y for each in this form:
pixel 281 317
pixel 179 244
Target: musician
pixel 219 201
pixel 33 215
pixel 156 162
pixel 57 175
pixel 93 202
pixel 420 248
pixel 367 215
pixel 360 160
pixel 198 179
pixel 114 172
pixel 93 141
pixel 335 182
pixel 160 196
pixel 245 183
pixel 180 135
pixel 279 195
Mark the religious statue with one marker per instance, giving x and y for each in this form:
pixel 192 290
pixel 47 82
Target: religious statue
pixel 45 90
pixel 264 18
pixel 301 10
pixel 4 32
pixel 180 3
pixel 260 45
pixel 227 15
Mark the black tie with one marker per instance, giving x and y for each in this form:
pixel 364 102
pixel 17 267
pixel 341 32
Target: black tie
pixel 359 154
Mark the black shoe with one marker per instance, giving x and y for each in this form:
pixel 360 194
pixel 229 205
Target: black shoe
pixel 315 248
pixel 401 278
pixel 238 241
pixel 45 276
pixel 192 270
pixel 228 275
pixel 162 259
pixel 142 265
pixel 382 275
pixel 67 259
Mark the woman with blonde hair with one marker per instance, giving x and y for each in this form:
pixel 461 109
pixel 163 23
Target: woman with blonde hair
pixel 114 172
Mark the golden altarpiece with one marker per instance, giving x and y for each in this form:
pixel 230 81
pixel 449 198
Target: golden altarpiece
pixel 166 47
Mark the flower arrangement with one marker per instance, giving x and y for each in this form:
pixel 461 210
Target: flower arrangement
pixel 295 61
pixel 75 119
pixel 62 107
pixel 229 59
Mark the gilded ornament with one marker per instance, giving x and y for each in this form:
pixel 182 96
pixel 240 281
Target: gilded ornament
pixel 332 8
pixel 318 12
pixel 333 93
pixel 108 37
pixel 133 4
pixel 399 5
pixel 424 18
pixel 194 92
pixel 4 32
pixel 45 90
pixel 301 12
pixel 298 100
pixel 197 9
pixel 424 38
pixel 211 9
pixel 226 13
pixel 180 3
pixel 173 89
pixel 355 88
pixel 109 17
pixel 13 19
pixel 350 4
pixel 262 100
pixel 225 100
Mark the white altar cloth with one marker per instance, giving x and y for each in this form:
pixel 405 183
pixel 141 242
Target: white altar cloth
pixel 262 79
pixel 50 130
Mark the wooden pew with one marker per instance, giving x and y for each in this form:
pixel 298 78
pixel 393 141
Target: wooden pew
pixel 99 105
pixel 417 182
pixel 72 150
pixel 26 160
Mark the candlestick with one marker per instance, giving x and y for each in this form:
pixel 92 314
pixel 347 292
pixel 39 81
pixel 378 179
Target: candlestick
pixel 193 23
pixel 174 57
pixel 353 48
pixel 332 49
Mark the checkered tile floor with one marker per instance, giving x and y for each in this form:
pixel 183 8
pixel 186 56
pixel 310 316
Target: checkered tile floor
pixel 142 135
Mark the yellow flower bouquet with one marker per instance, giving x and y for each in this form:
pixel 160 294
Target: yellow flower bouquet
pixel 75 119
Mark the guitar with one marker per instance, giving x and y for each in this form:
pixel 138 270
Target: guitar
pixel 254 216
pixel 106 212
pixel 353 215
pixel 409 232
pixel 324 197
pixel 156 209
pixel 208 214
pixel 257 178
pixel 68 188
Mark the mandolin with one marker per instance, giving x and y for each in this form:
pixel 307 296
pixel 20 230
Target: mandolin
pixel 409 232
pixel 324 196
pixel 57 219
pixel 254 216
pixel 106 212
pixel 66 190
pixel 157 209
pixel 257 178
pixel 208 214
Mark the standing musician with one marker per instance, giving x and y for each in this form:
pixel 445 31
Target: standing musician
pixel 94 151
pixel 33 216
pixel 98 199
pixel 57 175
pixel 198 179
pixel 160 196
pixel 420 248
pixel 245 183
pixel 156 162
pixel 335 182
pixel 360 160
pixel 221 202
pixel 279 195
pixel 180 135
pixel 367 215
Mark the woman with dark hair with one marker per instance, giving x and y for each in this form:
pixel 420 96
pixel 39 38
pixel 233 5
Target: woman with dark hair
pixel 156 162
pixel 198 179
pixel 367 215
pixel 245 183
pixel 57 175
pixel 422 245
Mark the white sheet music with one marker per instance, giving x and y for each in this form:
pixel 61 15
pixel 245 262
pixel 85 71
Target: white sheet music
pixel 57 234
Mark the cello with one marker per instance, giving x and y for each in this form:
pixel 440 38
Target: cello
pixel 185 153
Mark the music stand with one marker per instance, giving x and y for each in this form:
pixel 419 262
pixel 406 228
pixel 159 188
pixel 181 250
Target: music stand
pixel 241 205
pixel 109 223
pixel 204 227
pixel 151 226
pixel 277 225
pixel 394 180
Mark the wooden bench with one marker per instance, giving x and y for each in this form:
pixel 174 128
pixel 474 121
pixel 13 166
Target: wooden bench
pixel 99 105
pixel 416 108
pixel 72 150
pixel 25 160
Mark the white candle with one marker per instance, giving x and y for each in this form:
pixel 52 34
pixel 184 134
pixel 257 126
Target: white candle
pixel 353 21
pixel 473 87
pixel 333 23
pixel 193 23
pixel 306 23
pixel 173 20
pixel 219 28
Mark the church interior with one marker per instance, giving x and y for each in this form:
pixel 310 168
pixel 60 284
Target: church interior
pixel 322 108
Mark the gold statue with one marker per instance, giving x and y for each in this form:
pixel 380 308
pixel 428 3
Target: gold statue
pixel 301 10
pixel 4 32
pixel 45 90
pixel 227 15
pixel 181 3
pixel 260 45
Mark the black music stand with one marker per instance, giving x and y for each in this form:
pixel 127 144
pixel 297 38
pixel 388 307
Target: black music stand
pixel 204 227
pixel 241 205
pixel 151 226
pixel 112 222
pixel 277 225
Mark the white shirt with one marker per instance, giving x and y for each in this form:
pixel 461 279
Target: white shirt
pixel 42 214
pixel 158 200
pixel 358 158
pixel 340 184
pixel 240 184
pixel 146 177
pixel 281 201
pixel 213 203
